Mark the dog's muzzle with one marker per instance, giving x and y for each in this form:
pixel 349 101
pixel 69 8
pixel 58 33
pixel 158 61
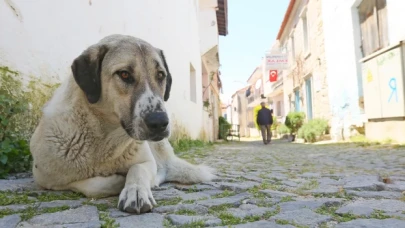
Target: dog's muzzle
pixel 157 123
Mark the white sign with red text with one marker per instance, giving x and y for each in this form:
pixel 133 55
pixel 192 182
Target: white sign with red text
pixel 276 61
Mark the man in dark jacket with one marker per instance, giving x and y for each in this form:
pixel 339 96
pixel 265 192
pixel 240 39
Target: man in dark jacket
pixel 265 120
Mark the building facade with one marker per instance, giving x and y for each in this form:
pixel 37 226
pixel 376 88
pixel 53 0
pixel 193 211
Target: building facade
pixel 305 85
pixel 239 111
pixel 42 38
pixel 365 69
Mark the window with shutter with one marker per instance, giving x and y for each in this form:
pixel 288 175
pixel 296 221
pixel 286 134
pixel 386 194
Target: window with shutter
pixel 373 25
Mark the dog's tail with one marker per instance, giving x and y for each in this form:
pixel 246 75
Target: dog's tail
pixel 181 171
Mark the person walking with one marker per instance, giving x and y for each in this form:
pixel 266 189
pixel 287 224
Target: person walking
pixel 265 120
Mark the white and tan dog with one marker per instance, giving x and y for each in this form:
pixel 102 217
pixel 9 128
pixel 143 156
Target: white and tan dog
pixel 104 132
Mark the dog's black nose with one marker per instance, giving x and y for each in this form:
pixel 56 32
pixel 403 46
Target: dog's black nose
pixel 157 121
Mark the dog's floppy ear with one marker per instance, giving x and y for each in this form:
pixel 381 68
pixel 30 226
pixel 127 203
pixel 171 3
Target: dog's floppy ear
pixel 86 70
pixel 168 76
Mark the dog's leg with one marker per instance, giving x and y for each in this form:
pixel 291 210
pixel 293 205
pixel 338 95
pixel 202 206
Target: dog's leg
pixel 172 168
pixel 98 187
pixel 137 196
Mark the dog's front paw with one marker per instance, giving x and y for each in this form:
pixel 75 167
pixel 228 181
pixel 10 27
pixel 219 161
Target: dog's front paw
pixel 136 199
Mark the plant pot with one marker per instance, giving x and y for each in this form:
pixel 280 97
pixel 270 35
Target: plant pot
pixel 291 138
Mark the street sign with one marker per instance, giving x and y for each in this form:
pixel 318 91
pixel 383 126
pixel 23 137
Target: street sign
pixel 273 75
pixel 276 61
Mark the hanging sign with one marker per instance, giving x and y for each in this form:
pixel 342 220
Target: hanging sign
pixel 273 75
pixel 276 61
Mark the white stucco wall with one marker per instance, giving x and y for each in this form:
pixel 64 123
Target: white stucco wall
pixel 343 67
pixel 208 29
pixel 41 38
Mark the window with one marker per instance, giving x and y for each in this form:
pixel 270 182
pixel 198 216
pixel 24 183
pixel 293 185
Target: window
pixel 373 25
pixel 193 85
pixel 278 108
pixel 292 48
pixel 297 100
pixel 308 89
pixel 305 30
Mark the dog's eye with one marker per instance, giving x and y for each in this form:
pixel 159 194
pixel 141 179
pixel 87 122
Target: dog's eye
pixel 161 76
pixel 125 76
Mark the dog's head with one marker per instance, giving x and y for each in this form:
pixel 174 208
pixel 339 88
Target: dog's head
pixel 127 80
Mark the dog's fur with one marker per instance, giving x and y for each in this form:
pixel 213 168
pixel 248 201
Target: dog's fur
pixel 93 138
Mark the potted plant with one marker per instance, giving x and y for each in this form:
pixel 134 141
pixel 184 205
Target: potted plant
pixel 294 121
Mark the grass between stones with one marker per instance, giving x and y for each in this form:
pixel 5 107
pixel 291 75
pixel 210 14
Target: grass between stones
pixel 9 198
pixel 172 201
pixel 286 199
pixel 342 194
pixel 377 214
pixel 30 198
pixel 186 212
pixel 32 211
pixel 193 224
pixel 224 194
pixel 286 222
pixel 47 197
pixel 106 220
pixel 228 219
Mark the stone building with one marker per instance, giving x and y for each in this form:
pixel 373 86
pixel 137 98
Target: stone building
pixel 301 35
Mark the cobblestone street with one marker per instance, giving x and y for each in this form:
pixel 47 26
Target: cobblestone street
pixel 278 185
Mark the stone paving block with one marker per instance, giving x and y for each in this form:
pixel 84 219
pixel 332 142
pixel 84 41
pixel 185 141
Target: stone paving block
pixel 238 187
pixel 326 181
pixel 235 200
pixel 325 190
pixel 375 194
pixel 18 185
pixel 245 210
pixel 310 204
pixel 372 223
pixel 367 207
pixel 363 183
pixel 195 196
pixel 277 176
pixel 269 201
pixel 259 224
pixel 196 187
pixel 398 186
pixel 16 207
pixel 213 192
pixel 253 178
pixel 10 221
pixel 174 208
pixel 180 220
pixel 84 214
pixel 275 194
pixel 92 224
pixel 60 203
pixel 150 220
pixel 289 183
pixel 304 217
pixel 167 194
pixel 115 213
pixel 310 175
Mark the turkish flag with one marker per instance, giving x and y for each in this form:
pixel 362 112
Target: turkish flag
pixel 273 75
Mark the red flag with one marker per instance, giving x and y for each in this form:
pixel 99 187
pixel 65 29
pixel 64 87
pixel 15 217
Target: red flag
pixel 273 75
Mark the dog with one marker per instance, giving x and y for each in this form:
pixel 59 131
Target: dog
pixel 105 130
